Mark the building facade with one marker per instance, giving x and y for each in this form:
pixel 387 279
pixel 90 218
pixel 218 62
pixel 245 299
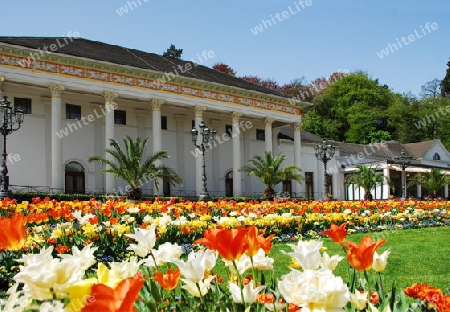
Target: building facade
pixel 84 93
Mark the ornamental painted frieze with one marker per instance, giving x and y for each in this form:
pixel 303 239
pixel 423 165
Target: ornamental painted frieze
pixel 104 76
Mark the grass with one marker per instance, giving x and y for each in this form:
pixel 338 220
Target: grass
pixel 417 256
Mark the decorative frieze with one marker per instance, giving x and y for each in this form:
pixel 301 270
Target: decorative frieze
pixel 153 84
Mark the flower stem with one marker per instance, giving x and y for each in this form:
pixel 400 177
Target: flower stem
pixel 381 285
pixel 240 282
pixel 368 284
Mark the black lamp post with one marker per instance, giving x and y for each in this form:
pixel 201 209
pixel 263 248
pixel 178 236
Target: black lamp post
pixel 403 160
pixel 324 151
pixel 208 135
pixel 12 120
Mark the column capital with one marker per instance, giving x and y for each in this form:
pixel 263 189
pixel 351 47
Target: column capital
pixel 235 117
pixel 56 90
pixel 110 97
pixel 198 111
pixel 269 121
pixel 156 104
pixel 297 126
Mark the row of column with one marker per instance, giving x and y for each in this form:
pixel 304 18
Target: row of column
pixel 237 162
pixel 56 125
pixel 110 98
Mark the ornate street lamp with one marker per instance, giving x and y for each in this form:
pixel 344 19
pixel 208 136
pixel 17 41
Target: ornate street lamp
pixel 324 151
pixel 208 135
pixel 12 120
pixel 403 160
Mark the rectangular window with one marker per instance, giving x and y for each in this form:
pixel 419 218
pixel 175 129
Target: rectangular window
pixel 23 103
pixel 329 184
pixel 73 111
pixel 164 122
pixel 260 135
pixel 287 188
pixel 309 185
pixel 120 117
pixel 229 130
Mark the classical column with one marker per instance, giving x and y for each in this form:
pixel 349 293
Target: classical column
pixel 386 189
pixel 110 104
pixel 198 111
pixel 446 191
pixel 419 191
pixel 157 139
pixel 2 81
pixel 297 154
pixel 268 134
pixel 57 163
pixel 237 187
pixel 180 120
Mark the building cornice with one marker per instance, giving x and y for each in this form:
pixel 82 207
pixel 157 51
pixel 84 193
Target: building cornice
pixel 100 71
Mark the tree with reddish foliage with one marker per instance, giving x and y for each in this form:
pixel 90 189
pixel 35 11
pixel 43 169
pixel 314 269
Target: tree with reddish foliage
pixel 265 82
pixel 224 68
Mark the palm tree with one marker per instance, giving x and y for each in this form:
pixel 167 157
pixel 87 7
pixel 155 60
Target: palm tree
pixel 432 181
pixel 130 166
pixel 269 171
pixel 367 178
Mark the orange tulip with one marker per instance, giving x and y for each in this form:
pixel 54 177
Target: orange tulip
pixel 12 232
pixel 337 233
pixel 121 298
pixel 230 244
pixel 360 256
pixel 430 294
pixel 255 242
pixel 169 280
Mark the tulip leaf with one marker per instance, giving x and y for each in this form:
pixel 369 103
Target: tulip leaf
pixel 155 291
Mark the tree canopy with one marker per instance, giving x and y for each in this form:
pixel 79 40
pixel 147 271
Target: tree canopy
pixel 173 52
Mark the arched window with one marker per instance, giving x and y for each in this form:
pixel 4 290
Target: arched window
pixel 229 184
pixel 436 156
pixel 74 174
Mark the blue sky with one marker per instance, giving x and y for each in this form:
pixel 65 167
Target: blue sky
pixel 310 39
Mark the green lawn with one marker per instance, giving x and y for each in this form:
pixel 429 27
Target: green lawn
pixel 419 255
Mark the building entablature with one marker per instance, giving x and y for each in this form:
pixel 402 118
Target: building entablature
pixel 83 75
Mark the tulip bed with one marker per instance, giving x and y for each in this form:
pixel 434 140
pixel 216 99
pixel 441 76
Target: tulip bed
pixel 160 255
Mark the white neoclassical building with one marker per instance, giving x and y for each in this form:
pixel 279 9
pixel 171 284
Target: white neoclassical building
pixel 78 94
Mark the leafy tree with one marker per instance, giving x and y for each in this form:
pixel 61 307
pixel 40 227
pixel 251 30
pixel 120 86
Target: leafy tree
pixel 224 68
pixel 129 165
pixel 173 52
pixel 431 89
pixel 431 181
pixel 445 84
pixel 367 178
pixel 346 107
pixel 268 170
pixel 403 115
